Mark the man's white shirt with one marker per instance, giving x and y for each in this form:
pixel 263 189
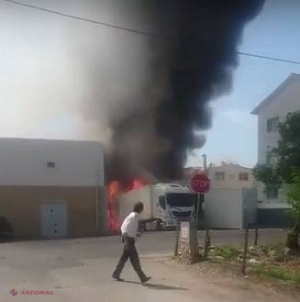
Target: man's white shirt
pixel 130 225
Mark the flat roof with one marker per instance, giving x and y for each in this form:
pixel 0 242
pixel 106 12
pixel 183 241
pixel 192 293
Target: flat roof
pixel 229 164
pixel 24 139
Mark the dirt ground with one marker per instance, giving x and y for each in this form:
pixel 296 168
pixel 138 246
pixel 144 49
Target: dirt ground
pixel 228 275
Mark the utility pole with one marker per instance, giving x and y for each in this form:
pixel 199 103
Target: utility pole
pixel 207 236
pixel 204 156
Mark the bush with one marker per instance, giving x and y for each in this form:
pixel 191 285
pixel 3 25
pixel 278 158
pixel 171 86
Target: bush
pixel 227 252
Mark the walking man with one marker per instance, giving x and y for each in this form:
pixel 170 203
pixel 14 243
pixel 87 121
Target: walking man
pixel 129 231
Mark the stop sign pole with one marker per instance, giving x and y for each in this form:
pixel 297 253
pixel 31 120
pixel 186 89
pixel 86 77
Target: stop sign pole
pixel 199 184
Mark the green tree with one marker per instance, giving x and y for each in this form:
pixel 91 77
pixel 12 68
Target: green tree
pixel 286 170
pixel 288 150
pixel 293 199
pixel 268 175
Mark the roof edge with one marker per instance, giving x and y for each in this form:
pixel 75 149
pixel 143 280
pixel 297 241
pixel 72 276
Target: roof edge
pixel 52 140
pixel 231 164
pixel 271 96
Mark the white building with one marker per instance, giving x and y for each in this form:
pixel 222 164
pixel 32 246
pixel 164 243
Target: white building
pixel 274 109
pixel 51 188
pixel 233 189
pixel 231 176
pixel 225 176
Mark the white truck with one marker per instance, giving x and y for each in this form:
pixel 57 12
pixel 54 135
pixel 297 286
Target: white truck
pixel 163 204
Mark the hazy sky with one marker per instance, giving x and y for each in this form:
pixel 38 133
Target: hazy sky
pixel 49 75
pixel 42 85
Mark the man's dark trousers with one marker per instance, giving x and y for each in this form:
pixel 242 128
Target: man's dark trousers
pixel 129 251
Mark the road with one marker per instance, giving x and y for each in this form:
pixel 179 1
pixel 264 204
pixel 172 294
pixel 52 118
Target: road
pixel 165 240
pixel 79 270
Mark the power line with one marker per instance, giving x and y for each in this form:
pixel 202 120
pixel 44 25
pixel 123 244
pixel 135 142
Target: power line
pixel 134 31
pixel 267 58
pixel 54 12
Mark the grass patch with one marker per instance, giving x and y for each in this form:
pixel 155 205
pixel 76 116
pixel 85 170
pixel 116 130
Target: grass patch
pixel 226 251
pixel 279 251
pixel 281 274
pixel 274 250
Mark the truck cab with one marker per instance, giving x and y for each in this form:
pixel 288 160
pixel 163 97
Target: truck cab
pixel 173 201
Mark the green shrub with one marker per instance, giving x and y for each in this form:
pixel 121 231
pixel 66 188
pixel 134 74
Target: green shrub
pixel 227 252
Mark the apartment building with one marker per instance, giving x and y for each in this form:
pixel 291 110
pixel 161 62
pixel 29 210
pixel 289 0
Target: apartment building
pixel 283 100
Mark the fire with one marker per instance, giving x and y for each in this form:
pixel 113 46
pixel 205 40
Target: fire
pixel 136 184
pixel 115 188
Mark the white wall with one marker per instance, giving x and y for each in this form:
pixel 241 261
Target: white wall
pixel 231 180
pixel 24 162
pixel 224 208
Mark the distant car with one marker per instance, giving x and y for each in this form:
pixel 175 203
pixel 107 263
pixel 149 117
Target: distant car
pixel 6 230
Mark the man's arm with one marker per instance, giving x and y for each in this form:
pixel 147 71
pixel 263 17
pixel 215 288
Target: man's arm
pixel 139 231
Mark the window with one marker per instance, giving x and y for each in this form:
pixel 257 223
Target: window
pixel 181 199
pixel 244 176
pixel 51 165
pixel 219 175
pixel 272 193
pixel 271 157
pixel 272 124
pixel 162 202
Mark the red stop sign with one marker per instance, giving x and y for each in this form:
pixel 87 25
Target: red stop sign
pixel 200 183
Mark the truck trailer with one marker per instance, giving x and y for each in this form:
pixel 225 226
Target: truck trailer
pixel 163 204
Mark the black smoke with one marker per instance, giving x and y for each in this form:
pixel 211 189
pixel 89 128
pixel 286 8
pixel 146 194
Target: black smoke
pixel 193 64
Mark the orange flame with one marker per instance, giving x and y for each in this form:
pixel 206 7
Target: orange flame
pixel 113 190
pixel 136 184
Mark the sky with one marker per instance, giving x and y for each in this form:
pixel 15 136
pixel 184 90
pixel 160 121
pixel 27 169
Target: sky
pixel 38 53
pixel 276 33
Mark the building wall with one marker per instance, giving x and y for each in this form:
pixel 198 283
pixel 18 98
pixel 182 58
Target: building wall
pixel 25 162
pixel 22 208
pixel 231 180
pixel 287 100
pixel 224 208
pixel 36 171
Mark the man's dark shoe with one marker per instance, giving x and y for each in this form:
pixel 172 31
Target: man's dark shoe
pixel 146 279
pixel 117 278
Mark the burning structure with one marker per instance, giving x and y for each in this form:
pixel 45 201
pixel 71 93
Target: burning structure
pixel 113 189
pixel 194 58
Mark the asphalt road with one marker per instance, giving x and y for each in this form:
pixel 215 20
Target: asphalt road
pixel 164 242
pixel 80 270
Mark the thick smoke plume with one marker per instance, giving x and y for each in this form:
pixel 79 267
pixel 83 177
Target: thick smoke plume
pixel 193 63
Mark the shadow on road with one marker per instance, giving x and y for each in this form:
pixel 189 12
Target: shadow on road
pixel 157 286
